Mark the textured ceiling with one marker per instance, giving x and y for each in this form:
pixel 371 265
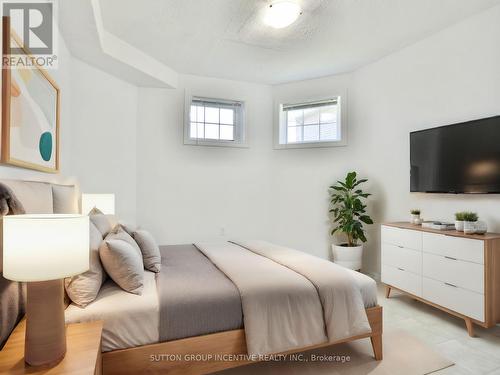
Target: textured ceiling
pixel 227 38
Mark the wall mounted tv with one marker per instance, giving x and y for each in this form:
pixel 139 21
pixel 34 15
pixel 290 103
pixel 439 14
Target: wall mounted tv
pixel 459 158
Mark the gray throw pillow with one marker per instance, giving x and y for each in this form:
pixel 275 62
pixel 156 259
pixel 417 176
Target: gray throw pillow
pixel 150 250
pixel 105 223
pixel 122 260
pixel 83 289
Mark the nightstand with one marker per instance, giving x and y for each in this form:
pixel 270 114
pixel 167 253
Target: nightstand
pixel 83 353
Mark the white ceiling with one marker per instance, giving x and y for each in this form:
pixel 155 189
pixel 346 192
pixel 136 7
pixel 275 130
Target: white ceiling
pixel 227 38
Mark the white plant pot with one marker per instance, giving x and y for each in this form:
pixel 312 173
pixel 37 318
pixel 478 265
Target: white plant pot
pixel 459 225
pixel 481 227
pixel 415 219
pixel 469 227
pixel 348 257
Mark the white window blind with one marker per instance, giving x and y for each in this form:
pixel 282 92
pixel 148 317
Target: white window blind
pixel 313 123
pixel 215 121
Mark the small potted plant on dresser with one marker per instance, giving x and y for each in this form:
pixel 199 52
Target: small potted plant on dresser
pixel 470 219
pixel 459 221
pixel 349 215
pixel 415 217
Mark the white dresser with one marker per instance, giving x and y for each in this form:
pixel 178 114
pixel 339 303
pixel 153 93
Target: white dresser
pixel 457 273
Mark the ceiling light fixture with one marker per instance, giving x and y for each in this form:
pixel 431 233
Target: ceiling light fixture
pixel 281 14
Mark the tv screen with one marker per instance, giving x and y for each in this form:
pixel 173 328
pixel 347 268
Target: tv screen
pixel 459 158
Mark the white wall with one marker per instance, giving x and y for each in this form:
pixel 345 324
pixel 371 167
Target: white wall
pixel 98 133
pixel 118 138
pixel 189 193
pixel 450 77
pixel 103 143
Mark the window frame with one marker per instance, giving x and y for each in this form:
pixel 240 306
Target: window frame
pixel 281 126
pixel 240 130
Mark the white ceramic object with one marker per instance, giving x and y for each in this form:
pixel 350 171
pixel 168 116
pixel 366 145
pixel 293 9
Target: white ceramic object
pixel 481 227
pixel 459 225
pixel 415 219
pixel 348 257
pixel 470 227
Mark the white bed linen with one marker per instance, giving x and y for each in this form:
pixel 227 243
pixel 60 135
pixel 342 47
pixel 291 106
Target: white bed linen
pixel 130 320
pixel 368 288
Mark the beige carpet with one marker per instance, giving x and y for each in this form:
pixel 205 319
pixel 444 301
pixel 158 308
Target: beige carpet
pixel 403 354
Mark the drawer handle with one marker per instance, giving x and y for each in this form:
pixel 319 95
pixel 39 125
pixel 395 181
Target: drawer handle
pixel 401 269
pixel 454 286
pixel 401 247
pixel 450 258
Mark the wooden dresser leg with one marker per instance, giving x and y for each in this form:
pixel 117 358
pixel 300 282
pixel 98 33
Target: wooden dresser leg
pixel 470 327
pixel 387 291
pixel 377 346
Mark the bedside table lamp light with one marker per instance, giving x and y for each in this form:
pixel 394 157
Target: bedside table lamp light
pixel 104 202
pixel 42 250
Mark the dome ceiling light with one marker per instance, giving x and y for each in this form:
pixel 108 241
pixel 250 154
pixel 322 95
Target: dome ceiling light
pixel 281 14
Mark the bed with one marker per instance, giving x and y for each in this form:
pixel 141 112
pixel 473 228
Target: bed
pixel 204 319
pixel 131 320
pixel 229 300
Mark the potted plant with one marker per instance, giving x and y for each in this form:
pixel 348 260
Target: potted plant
pixel 415 217
pixel 470 219
pixel 459 221
pixel 349 215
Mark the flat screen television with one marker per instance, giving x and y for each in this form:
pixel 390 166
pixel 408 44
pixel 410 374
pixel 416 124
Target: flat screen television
pixel 458 158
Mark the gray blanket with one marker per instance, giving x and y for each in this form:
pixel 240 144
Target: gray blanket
pixel 195 297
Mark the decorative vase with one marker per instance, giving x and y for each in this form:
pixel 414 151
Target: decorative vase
pixel 469 227
pixel 459 225
pixel 481 227
pixel 348 257
pixel 415 219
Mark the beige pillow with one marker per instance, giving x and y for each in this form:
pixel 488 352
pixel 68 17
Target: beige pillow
pixel 122 260
pixel 150 250
pixel 105 223
pixel 83 289
pixel 65 200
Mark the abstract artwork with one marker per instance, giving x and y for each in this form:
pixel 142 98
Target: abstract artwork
pixel 30 113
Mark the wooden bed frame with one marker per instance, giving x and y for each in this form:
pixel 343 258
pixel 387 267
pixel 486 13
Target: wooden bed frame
pixel 178 356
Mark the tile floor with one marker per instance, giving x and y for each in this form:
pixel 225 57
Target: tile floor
pixel 445 333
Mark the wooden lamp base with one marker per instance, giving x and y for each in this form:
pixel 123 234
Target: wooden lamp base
pixel 45 341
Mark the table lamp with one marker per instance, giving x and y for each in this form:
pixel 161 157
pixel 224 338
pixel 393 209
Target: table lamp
pixel 104 202
pixel 42 250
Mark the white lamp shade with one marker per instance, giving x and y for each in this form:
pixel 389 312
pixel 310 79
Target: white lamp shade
pixel 45 247
pixel 104 202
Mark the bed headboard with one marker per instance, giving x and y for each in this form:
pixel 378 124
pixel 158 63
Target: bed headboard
pixel 36 198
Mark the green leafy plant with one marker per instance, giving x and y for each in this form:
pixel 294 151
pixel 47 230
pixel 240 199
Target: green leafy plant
pixel 348 209
pixel 470 216
pixel 459 216
pixel 415 212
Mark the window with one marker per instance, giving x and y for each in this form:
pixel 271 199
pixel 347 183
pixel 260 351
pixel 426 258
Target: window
pixel 215 122
pixel 311 124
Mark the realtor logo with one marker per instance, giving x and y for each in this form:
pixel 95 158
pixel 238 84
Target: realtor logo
pixel 33 31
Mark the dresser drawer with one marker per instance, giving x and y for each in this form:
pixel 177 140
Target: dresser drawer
pixel 410 239
pixel 454 298
pixel 464 274
pixel 401 257
pixel 456 247
pixel 401 279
